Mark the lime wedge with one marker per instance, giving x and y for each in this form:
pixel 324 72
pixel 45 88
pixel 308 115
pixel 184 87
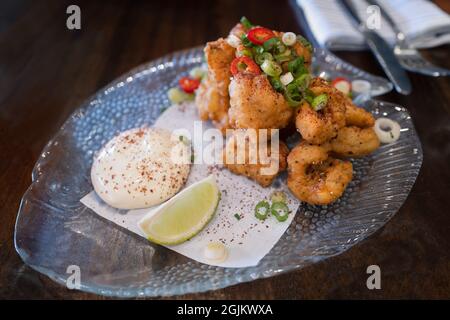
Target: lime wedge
pixel 183 216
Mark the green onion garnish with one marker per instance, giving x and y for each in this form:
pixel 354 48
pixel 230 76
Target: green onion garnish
pixel 280 211
pixel 280 47
pixel 293 95
pixel 177 96
pixel 283 57
pixel 271 68
pixel 269 44
pixel 297 67
pixel 246 23
pixel 264 207
pixel 308 95
pixel 259 49
pixel 237 216
pixel 276 84
pixel 303 81
pixel 319 102
pixel 260 58
pixel 305 43
pixel 247 43
pixel 246 52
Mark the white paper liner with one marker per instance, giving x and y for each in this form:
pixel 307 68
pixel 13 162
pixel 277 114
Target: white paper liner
pixel 248 240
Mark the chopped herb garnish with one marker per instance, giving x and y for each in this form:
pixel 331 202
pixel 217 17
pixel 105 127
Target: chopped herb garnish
pixel 280 211
pixel 305 43
pixel 262 210
pixel 237 216
pixel 246 23
pixel 247 43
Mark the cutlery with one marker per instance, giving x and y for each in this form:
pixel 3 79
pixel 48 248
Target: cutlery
pixel 409 57
pixel 382 52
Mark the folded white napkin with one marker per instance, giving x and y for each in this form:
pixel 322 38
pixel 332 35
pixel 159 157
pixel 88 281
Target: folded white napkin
pixel 424 24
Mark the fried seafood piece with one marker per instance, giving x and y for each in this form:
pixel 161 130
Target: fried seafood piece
pixel 255 104
pixel 316 178
pixel 354 142
pixel 212 105
pixel 212 98
pixel 256 161
pixel 355 116
pixel 317 127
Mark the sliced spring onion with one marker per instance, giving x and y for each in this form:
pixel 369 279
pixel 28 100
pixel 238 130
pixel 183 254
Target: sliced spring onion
pixel 297 67
pixel 278 196
pixel 271 68
pixel 286 78
pixel 342 84
pixel 177 96
pixel 308 95
pixel 233 41
pixel 280 211
pixel 276 84
pixel 260 58
pixel 387 130
pixel 283 57
pixel 280 48
pixel 198 72
pixel 292 95
pixel 303 81
pixel 259 49
pixel 237 216
pixel 319 102
pixel 245 52
pixel 305 42
pixel 269 44
pixel 247 43
pixel 264 207
pixel 289 38
pixel 246 23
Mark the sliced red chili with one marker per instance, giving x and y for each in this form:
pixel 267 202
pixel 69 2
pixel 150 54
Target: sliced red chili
pixel 259 35
pixel 342 84
pixel 189 85
pixel 244 64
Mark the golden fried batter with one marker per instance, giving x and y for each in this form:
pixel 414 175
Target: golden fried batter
pixel 355 142
pixel 212 98
pixel 255 104
pixel 212 105
pixel 316 178
pixel 355 116
pixel 320 126
pixel 250 163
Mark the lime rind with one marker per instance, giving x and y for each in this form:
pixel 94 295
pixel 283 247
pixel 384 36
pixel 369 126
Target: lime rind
pixel 197 228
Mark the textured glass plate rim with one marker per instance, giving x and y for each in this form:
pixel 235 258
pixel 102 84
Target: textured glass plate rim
pixel 107 291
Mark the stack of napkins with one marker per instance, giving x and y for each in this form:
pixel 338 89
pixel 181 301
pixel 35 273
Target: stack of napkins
pixel 424 24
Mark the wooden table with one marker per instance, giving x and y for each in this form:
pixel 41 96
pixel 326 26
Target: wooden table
pixel 46 71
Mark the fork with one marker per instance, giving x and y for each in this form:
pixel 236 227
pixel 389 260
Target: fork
pixel 410 58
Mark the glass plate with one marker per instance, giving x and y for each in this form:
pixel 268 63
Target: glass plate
pixel 54 230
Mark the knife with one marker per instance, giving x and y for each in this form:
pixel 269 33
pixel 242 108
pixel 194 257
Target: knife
pixel 381 50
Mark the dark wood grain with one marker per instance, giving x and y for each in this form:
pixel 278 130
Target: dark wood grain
pixel 46 71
